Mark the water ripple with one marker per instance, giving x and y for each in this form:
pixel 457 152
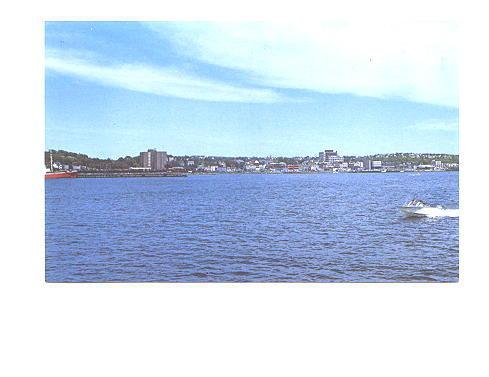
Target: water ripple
pixel 291 228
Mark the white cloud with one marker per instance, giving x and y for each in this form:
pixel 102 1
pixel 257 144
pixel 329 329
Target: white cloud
pixel 162 81
pixel 416 61
pixel 437 125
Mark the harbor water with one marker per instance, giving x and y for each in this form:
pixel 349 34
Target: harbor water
pixel 251 228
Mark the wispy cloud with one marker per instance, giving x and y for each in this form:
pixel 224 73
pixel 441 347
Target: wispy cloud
pixel 416 61
pixel 437 125
pixel 163 81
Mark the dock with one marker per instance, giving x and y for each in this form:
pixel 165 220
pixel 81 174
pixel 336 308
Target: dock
pixel 128 174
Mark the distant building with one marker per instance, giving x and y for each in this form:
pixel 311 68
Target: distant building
pixel 277 166
pixel 376 164
pixel 335 159
pixel 330 157
pixel 153 159
pixel 367 164
pixel 330 152
pixel 293 167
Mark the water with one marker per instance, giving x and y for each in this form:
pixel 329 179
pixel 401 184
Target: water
pixel 251 227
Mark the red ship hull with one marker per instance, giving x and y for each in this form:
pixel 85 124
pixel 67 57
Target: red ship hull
pixel 61 174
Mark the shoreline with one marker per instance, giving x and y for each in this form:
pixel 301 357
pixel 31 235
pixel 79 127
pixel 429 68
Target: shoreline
pixel 183 175
pixel 129 175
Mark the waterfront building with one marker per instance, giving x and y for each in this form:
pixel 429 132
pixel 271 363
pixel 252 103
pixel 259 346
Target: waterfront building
pixel 250 167
pixel 153 159
pixel 335 159
pixel 376 164
pixel 211 168
pixel 367 164
pixel 277 165
pixel 293 167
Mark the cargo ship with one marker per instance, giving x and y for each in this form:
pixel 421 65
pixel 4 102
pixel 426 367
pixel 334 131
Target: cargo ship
pixel 50 174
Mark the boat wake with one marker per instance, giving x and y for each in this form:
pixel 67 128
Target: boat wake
pixel 434 212
pixel 439 212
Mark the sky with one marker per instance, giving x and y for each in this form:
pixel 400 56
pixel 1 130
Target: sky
pixel 251 88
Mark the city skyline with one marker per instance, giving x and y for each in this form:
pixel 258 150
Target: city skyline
pixel 162 164
pixel 115 88
pixel 266 155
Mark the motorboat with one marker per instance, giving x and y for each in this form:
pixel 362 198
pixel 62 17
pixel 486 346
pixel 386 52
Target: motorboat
pixel 419 208
pixel 415 207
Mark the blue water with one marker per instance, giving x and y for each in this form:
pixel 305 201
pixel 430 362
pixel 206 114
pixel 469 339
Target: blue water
pixel 251 227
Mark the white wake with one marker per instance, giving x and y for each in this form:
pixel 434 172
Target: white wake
pixel 438 212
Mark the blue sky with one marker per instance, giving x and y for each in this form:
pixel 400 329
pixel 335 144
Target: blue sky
pixel 251 89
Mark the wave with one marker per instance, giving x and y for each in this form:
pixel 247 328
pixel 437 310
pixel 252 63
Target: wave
pixel 438 212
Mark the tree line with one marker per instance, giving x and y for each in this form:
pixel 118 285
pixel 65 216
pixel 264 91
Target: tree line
pixel 78 159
